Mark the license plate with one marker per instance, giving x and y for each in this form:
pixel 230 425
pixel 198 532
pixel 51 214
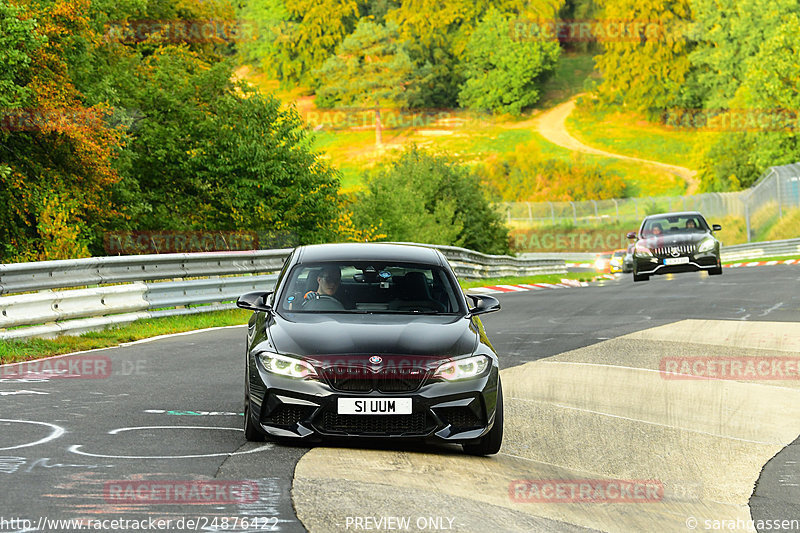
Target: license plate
pixel 374 406
pixel 676 260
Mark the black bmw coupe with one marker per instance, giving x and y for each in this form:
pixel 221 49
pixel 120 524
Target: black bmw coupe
pixel 371 341
pixel 675 242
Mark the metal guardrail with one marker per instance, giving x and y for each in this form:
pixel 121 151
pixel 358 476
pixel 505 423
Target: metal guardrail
pixel 22 277
pixel 107 301
pixel 469 264
pixel 756 250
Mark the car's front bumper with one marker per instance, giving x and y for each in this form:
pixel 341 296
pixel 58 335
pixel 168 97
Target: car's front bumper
pixel 650 265
pixel 307 409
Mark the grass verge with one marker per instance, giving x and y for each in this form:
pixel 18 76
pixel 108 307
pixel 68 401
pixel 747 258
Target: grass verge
pixel 545 278
pixel 12 351
pixel 628 133
pixel 760 259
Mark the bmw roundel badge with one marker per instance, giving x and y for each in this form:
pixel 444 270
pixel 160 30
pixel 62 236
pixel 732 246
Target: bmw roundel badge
pixel 375 360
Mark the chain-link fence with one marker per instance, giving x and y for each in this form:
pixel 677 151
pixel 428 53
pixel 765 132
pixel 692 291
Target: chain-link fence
pixel 775 194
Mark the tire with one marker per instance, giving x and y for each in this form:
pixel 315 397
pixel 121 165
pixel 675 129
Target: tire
pixel 490 443
pixel 715 271
pixel 640 277
pixel 251 431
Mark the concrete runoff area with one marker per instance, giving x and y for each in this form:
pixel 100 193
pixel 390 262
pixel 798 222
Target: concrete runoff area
pixel 600 413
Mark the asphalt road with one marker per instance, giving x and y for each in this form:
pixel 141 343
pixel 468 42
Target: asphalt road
pixel 152 430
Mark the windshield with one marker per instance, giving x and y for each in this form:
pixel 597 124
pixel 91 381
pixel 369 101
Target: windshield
pixel 689 223
pixel 370 287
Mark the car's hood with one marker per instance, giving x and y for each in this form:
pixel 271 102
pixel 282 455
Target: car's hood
pixel 673 240
pixel 365 334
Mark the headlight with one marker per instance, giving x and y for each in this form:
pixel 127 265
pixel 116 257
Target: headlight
pixel 459 369
pixel 289 367
pixel 707 245
pixel 642 250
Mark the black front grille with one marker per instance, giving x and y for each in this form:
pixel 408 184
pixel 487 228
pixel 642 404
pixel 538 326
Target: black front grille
pixel 288 415
pixel 679 249
pixel 413 424
pixel 364 379
pixel 460 418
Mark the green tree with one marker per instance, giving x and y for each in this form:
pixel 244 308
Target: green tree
pixel 56 151
pixel 371 69
pixel 293 38
pixel 209 153
pixel 18 40
pixel 504 74
pixel 746 63
pixel 649 71
pixel 426 198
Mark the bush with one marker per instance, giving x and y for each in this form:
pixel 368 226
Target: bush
pixel 426 198
pixel 525 176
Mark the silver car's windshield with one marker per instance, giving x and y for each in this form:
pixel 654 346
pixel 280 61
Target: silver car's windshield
pixel 370 287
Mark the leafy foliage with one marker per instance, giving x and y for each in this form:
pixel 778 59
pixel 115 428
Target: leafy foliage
pixel 503 74
pixel 649 72
pixel 142 134
pixel 426 198
pixel 58 151
pixel 527 176
pixel 371 68
pixel 293 38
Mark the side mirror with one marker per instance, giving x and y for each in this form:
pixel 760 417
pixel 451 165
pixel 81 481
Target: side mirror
pixel 254 301
pixel 631 235
pixel 483 304
pixel 716 227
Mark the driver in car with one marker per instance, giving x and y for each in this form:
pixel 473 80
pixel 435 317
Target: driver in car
pixel 328 281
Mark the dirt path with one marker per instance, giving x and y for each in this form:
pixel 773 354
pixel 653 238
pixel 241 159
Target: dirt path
pixel 552 126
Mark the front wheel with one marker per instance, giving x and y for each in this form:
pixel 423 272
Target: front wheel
pixel 251 431
pixel 640 277
pixel 490 443
pixel 715 271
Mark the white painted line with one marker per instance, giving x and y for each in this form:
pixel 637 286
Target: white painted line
pixel 182 334
pixel 77 447
pixel 123 344
pixel 770 263
pixel 754 263
pixel 56 433
pixel 530 287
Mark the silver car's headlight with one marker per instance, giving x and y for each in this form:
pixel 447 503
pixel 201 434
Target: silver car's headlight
pixel 467 368
pixel 706 245
pixel 643 250
pixel 289 367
